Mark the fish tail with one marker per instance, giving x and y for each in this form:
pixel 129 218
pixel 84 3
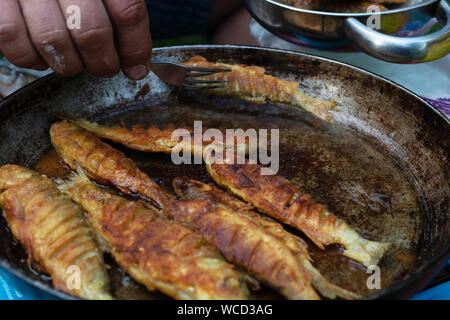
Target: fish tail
pixel 327 289
pixel 80 122
pixel 366 251
pixel 307 293
pixel 75 178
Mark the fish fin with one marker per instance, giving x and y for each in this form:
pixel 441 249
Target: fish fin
pixel 327 289
pixel 81 173
pixel 249 280
pixel 366 251
pixel 76 177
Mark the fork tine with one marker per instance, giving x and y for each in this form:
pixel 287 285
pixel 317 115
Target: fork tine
pixel 194 81
pixel 177 74
pixel 201 87
pixel 203 74
pixel 199 74
pixel 201 69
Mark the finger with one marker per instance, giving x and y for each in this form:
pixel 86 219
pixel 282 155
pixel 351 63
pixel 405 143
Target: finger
pixel 15 42
pixel 133 40
pixel 47 28
pixel 94 39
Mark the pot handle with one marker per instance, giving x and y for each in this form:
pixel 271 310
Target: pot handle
pixel 403 49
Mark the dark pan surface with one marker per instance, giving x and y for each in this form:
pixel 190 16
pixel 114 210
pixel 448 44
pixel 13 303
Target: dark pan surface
pixel 383 167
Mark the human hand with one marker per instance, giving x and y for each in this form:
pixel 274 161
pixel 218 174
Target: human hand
pixel 113 35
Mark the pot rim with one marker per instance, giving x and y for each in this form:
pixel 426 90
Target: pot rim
pixel 348 14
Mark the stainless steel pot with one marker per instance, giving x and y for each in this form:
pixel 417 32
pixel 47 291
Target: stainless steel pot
pixel 289 23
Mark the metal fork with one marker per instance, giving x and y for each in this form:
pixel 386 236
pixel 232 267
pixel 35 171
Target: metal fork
pixel 184 76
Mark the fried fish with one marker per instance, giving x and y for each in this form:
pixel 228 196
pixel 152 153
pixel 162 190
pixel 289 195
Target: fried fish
pixel 158 253
pixel 155 139
pixel 190 189
pixel 282 200
pixel 251 83
pixel 102 162
pixel 150 139
pixel 52 230
pixel 246 245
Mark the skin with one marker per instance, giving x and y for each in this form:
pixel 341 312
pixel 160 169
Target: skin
pixel 114 35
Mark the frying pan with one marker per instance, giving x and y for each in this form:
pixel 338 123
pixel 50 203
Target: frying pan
pixel 383 166
pixel 381 42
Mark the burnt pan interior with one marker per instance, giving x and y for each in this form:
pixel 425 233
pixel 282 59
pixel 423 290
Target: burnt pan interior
pixel 383 167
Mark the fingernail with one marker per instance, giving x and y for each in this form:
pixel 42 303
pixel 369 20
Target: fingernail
pixel 137 72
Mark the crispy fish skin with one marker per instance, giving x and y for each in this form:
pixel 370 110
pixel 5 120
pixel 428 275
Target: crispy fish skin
pixel 102 162
pixel 282 200
pixel 158 253
pixel 52 230
pixel 154 139
pixel 190 189
pixel 247 245
pixel 150 139
pixel 250 83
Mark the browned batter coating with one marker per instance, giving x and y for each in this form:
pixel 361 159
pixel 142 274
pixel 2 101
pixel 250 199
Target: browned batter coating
pixel 102 162
pixel 282 200
pixel 189 189
pixel 250 83
pixel 137 137
pixel 153 138
pixel 247 245
pixel 52 230
pixel 158 253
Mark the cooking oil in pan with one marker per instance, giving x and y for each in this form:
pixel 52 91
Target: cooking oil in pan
pixel 354 176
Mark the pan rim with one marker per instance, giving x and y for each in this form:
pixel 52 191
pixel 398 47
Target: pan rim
pixel 443 256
